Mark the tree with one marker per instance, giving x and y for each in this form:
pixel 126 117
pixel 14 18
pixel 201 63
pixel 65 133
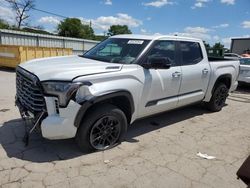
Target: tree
pixel 4 25
pixel 218 45
pixel 22 8
pixel 88 32
pixel 73 27
pixel 118 29
pixel 207 45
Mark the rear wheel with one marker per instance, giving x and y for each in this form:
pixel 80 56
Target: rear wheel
pixel 103 128
pixel 218 98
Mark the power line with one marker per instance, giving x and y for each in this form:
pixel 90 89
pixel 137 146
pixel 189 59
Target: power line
pixel 40 10
pixel 44 11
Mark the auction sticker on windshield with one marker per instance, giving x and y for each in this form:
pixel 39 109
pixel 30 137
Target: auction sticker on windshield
pixel 135 42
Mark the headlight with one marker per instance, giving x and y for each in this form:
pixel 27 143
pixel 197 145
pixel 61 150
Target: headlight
pixel 62 90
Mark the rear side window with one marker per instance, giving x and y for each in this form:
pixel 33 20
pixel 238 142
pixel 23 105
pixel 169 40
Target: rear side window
pixel 190 53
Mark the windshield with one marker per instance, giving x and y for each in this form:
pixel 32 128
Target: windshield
pixel 245 61
pixel 115 50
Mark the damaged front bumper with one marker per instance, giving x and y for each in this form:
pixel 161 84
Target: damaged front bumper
pixel 59 124
pixel 31 121
pixel 54 123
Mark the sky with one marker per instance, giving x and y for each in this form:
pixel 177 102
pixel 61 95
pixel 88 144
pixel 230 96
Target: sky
pixel 210 20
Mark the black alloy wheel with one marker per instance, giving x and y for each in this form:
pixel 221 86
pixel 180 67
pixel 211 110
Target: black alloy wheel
pixel 105 132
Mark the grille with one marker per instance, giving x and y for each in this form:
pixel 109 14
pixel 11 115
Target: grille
pixel 29 94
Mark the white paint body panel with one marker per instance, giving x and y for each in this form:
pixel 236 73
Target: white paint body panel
pixel 244 74
pixel 158 86
pixel 66 67
pixel 219 68
pixel 59 126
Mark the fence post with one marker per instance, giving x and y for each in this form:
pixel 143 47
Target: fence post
pixel 0 37
pixel 63 43
pixel 37 41
pixel 83 42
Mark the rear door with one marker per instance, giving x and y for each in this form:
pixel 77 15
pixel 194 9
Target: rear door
pixel 195 72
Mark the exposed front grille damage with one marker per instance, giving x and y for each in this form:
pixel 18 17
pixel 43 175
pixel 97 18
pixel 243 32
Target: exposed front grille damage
pixel 28 92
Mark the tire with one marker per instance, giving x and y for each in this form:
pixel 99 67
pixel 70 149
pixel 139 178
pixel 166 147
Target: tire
pixel 218 98
pixel 102 128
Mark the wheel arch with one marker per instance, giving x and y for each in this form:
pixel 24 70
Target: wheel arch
pixel 122 99
pixel 225 78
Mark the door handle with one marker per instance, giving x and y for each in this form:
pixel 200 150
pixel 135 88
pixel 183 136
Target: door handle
pixel 205 71
pixel 176 74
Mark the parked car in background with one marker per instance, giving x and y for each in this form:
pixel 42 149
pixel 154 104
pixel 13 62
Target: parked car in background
pixel 245 55
pixel 95 96
pixel 231 56
pixel 244 76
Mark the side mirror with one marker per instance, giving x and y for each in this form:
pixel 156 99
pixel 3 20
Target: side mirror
pixel 157 63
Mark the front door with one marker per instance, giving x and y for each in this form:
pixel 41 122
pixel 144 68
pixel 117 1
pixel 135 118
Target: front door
pixel 160 92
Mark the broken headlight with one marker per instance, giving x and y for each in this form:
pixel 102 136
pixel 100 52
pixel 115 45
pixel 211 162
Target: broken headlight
pixel 62 90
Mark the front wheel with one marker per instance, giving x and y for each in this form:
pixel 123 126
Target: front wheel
pixel 218 98
pixel 102 128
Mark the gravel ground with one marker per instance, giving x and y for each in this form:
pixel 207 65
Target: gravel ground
pixel 158 152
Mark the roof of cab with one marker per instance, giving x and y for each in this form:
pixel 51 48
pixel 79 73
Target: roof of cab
pixel 154 37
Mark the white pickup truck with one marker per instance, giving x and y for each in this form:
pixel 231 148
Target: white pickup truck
pixel 95 96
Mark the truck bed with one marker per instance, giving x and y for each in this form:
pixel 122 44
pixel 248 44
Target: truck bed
pixel 212 59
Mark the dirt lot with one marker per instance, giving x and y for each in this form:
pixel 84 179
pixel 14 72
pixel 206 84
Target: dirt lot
pixel 158 151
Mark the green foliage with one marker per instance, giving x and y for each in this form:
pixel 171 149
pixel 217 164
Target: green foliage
pixel 207 45
pixel 218 45
pixel 118 29
pixel 100 37
pixel 73 27
pixel 88 32
pixel 38 30
pixel 4 25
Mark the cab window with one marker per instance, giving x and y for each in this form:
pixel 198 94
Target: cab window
pixel 190 53
pixel 163 49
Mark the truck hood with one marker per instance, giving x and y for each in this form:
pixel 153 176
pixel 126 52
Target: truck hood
pixel 67 67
